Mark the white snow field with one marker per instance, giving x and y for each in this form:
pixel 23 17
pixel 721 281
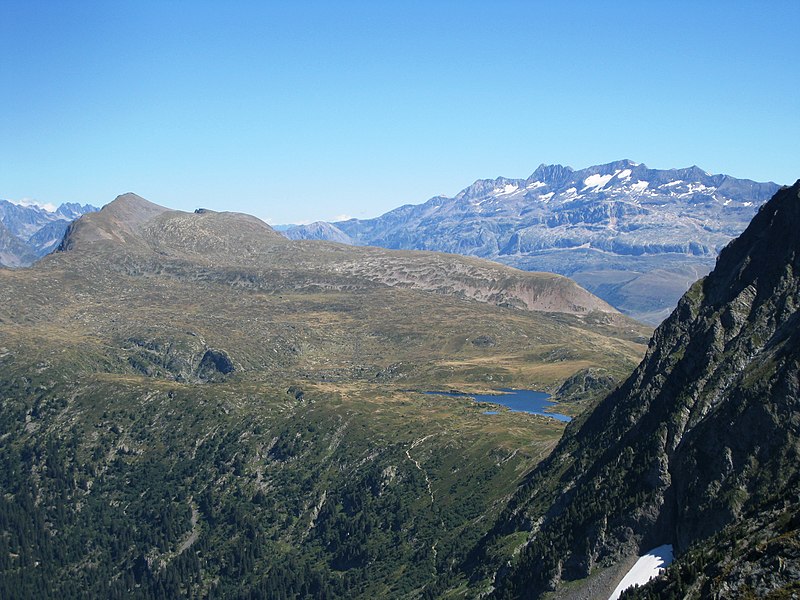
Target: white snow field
pixel 648 566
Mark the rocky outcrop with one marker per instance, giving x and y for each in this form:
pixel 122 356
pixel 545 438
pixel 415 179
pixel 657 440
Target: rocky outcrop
pixel 585 385
pixel 703 436
pixel 215 365
pixel 183 358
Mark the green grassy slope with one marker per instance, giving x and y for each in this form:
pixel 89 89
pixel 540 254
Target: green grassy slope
pixel 186 416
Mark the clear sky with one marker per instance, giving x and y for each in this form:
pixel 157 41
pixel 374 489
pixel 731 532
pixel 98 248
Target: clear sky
pixel 297 111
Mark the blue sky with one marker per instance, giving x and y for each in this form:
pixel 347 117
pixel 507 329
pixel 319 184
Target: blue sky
pixel 299 111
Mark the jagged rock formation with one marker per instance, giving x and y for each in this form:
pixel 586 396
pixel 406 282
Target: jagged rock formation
pixel 636 237
pixel 702 439
pixel 215 365
pixel 29 232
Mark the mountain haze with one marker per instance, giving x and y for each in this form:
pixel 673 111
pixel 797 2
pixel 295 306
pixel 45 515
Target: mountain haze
pixel 29 232
pixel 635 236
pixel 319 230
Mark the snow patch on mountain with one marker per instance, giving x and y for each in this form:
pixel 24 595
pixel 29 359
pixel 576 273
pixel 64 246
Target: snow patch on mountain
pixel 507 189
pixel 596 181
pixel 649 565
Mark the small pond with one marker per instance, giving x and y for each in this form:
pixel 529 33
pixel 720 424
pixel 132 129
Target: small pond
pixel 528 401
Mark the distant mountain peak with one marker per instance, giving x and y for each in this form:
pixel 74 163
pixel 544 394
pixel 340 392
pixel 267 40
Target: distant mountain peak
pixel 73 210
pixel 484 187
pixel 141 225
pixel 319 230
pixel 551 174
pixel 634 235
pixel 36 229
pixel 119 221
pixel 131 201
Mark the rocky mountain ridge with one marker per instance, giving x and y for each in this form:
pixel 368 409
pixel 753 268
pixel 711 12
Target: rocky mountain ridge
pixel 28 232
pixel 635 236
pixel 230 239
pixel 703 440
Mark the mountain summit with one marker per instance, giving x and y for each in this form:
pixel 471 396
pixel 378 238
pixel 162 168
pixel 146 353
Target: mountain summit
pixel 699 448
pixel 141 225
pixel 635 236
pixel 118 220
pixel 134 227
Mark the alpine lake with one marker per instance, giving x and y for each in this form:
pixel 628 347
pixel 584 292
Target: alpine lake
pixel 528 401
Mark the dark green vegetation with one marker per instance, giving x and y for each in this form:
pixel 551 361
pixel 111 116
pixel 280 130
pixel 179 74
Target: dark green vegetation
pixel 115 487
pixel 194 406
pixel 699 448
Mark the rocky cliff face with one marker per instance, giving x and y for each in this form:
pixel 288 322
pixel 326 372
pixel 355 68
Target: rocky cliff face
pixel 703 437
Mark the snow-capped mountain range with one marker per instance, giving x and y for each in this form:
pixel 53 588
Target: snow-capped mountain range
pixel 29 231
pixel 635 236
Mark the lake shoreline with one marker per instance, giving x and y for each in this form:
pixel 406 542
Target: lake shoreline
pixel 526 401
